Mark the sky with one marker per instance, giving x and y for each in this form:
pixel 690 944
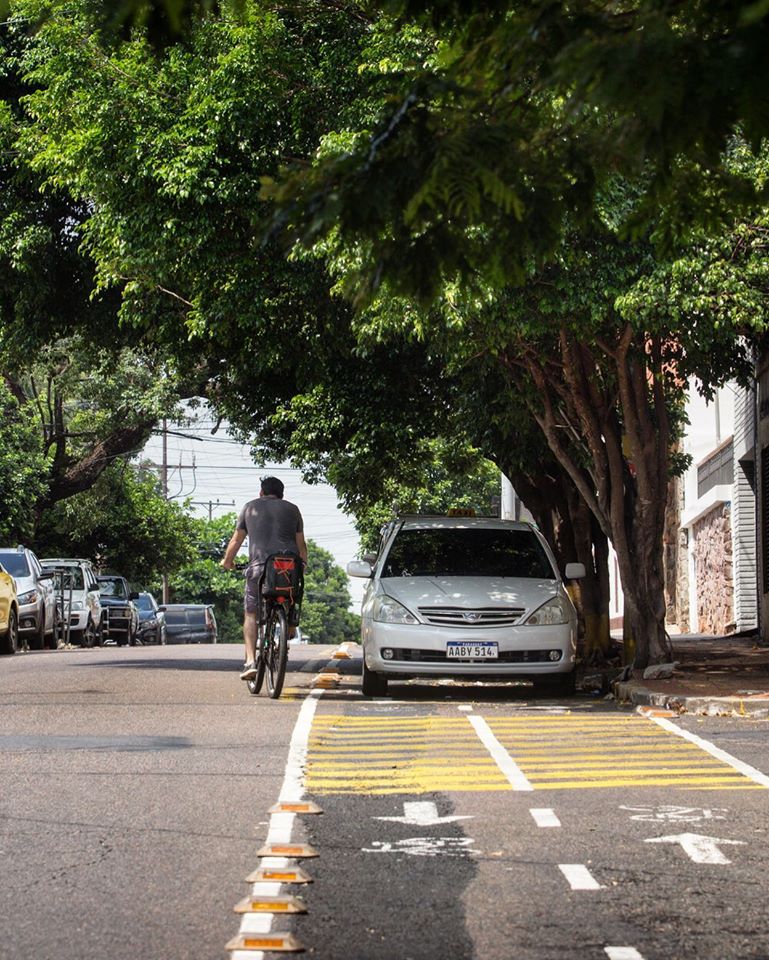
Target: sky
pixel 217 474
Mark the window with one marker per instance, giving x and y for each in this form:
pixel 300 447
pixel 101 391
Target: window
pixel 467 552
pixel 15 563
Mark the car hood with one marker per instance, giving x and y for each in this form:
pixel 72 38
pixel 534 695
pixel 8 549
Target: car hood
pixel 23 584
pixel 470 592
pixel 113 601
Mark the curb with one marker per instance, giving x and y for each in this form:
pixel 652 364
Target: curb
pixel 755 707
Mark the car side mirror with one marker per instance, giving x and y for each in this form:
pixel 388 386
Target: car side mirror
pixel 360 568
pixel 46 575
pixel 133 595
pixel 575 571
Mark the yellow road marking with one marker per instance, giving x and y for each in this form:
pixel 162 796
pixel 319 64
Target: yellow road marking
pixel 385 755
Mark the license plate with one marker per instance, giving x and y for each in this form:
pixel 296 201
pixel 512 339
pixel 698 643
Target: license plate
pixel 456 650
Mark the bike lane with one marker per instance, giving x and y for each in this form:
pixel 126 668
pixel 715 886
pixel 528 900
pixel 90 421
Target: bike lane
pixel 498 829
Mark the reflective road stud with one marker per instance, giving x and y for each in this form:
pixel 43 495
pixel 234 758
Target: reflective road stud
pixel 274 875
pixel 286 807
pixel 294 850
pixel 270 905
pixel 278 942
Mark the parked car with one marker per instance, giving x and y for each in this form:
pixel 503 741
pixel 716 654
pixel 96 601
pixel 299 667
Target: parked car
pixel 470 598
pixel 34 594
pixel 152 620
pixel 77 597
pixel 190 623
pixel 9 613
pixel 121 618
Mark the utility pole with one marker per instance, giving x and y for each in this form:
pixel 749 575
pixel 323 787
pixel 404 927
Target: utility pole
pixel 164 481
pixel 211 504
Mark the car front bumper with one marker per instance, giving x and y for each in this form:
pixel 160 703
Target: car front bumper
pixel 30 615
pixel 419 650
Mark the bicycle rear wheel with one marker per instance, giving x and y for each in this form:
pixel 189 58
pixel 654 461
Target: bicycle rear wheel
pixel 275 651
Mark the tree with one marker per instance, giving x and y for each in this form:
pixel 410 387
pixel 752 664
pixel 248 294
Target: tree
pixel 23 466
pixel 326 616
pixel 122 523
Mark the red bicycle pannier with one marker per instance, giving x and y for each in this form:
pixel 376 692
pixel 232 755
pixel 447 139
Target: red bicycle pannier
pixel 283 579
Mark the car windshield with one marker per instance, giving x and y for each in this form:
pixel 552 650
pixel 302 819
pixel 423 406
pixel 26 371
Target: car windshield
pixel 112 588
pixel 467 552
pixel 145 602
pixel 14 563
pixel 66 577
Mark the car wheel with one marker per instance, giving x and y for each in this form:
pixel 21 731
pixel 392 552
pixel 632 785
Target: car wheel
pixel 10 641
pixel 37 640
pixel 89 634
pixel 374 684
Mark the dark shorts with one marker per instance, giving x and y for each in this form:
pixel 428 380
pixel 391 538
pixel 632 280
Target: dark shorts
pixel 252 597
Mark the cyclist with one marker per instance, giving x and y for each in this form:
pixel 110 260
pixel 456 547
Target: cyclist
pixel 272 525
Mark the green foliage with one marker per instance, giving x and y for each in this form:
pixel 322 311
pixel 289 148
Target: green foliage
pixel 326 617
pixel 122 523
pixel 23 468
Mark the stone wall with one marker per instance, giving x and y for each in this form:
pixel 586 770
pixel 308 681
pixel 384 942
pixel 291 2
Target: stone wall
pixel 675 560
pixel 713 571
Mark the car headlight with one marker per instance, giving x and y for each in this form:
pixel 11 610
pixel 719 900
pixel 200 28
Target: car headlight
pixel 77 604
pixel 552 612
pixel 29 597
pixel 387 610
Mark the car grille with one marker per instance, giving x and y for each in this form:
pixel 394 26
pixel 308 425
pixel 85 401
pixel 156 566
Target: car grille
pixel 477 617
pixel 505 656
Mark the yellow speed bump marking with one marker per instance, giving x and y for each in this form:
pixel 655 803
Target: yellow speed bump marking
pixel 270 905
pixel 272 875
pixel 278 942
pixel 289 807
pixel 295 850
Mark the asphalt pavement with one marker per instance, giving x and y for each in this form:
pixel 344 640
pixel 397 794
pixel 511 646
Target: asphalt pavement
pixel 139 792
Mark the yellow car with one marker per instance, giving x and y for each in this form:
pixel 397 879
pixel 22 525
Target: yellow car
pixel 9 613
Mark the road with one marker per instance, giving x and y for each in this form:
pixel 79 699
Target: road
pixel 462 822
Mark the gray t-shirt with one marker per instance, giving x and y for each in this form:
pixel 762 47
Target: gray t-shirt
pixel 271 525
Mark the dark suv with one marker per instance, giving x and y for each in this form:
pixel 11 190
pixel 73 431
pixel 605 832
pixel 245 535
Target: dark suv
pixel 190 623
pixel 121 618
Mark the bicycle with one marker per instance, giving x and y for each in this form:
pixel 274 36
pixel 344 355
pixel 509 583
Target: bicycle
pixel 281 592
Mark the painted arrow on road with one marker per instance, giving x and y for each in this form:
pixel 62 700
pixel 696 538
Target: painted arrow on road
pixel 700 849
pixel 422 813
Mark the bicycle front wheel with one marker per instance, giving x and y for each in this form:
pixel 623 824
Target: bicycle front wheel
pixel 276 652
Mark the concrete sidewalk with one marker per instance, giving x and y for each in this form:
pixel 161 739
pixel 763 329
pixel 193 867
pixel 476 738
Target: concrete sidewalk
pixel 715 676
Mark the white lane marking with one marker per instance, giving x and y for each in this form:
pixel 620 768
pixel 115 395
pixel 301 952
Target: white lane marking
pixel 744 768
pixel 293 783
pixel 501 757
pixel 281 824
pixel 545 817
pixel 423 813
pixel 579 877
pixel 464 707
pixel 622 953
pixel 698 847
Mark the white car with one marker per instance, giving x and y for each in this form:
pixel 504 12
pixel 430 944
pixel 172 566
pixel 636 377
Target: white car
pixel 35 596
pixel 469 598
pixel 78 599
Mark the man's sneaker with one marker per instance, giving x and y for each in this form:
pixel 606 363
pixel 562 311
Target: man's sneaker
pixel 249 671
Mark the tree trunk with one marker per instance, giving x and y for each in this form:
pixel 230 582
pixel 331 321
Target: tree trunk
pixel 567 524
pixel 603 411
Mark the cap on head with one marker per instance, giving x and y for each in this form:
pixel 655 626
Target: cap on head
pixel 272 487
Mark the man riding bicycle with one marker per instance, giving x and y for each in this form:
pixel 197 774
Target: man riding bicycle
pixel 272 525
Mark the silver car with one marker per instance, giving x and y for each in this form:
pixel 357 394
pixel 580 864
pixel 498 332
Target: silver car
pixel 35 593
pixel 469 598
pixel 78 598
